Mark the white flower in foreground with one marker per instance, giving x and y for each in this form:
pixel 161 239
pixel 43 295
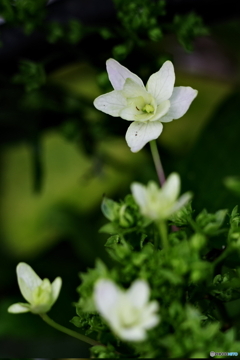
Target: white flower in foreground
pixel 148 107
pixel 40 294
pixel 160 203
pixel 128 313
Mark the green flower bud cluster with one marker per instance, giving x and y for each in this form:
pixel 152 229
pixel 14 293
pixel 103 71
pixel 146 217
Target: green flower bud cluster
pixel 123 215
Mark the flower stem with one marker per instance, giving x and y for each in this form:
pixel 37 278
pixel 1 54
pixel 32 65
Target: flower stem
pixel 163 234
pixel 223 255
pixel 157 161
pixel 67 331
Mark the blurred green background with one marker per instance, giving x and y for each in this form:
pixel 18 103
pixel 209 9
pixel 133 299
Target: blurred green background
pixel 59 155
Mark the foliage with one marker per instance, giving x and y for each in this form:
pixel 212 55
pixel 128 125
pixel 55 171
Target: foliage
pixel 192 280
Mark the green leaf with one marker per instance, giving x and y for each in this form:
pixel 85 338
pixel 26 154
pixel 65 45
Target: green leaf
pixel 109 208
pixel 109 228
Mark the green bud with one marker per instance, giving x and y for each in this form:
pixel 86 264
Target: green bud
pixel 197 241
pixel 125 218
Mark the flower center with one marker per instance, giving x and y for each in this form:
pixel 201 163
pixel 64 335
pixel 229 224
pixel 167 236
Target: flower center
pixel 148 109
pixel 130 317
pixel 43 293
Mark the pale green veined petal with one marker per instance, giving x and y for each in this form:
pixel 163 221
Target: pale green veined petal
pixel 56 287
pixel 182 201
pixel 139 134
pixel 171 188
pixel 162 109
pixel 160 85
pixel 28 280
pixel 106 294
pixel 138 293
pixel 133 108
pixel 19 308
pixel 111 103
pixel 180 101
pixel 118 74
pixel 131 89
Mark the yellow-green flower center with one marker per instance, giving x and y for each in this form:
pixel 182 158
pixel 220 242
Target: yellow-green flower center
pixel 148 109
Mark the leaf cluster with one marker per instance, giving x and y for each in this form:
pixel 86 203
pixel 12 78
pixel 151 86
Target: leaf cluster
pixel 192 280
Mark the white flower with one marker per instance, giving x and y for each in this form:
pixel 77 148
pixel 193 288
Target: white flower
pixel 40 294
pixel 160 203
pixel 147 107
pixel 128 313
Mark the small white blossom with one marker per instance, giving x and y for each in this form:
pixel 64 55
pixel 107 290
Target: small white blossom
pixel 128 313
pixel 40 294
pixel 160 203
pixel 148 107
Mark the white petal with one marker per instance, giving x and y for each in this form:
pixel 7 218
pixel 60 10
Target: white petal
pixel 28 280
pixel 118 73
pixel 180 101
pixel 56 287
pixel 182 201
pixel 151 322
pixel 171 188
pixel 138 293
pixel 132 334
pixel 19 308
pixel 162 109
pixel 150 318
pixel 160 84
pixel 139 193
pixel 111 103
pixel 106 295
pixel 139 134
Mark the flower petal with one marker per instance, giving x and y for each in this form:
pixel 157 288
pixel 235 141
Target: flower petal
pixel 180 101
pixel 139 134
pixel 139 193
pixel 118 74
pixel 56 287
pixel 19 308
pixel 171 188
pixel 28 280
pixel 131 90
pixel 106 294
pixel 182 201
pixel 160 84
pixel 162 109
pixel 111 103
pixel 138 293
pixel 132 334
pixel 150 318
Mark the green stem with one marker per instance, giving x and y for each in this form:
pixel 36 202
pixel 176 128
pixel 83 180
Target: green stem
pixel 67 331
pixel 157 162
pixel 223 255
pixel 163 234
